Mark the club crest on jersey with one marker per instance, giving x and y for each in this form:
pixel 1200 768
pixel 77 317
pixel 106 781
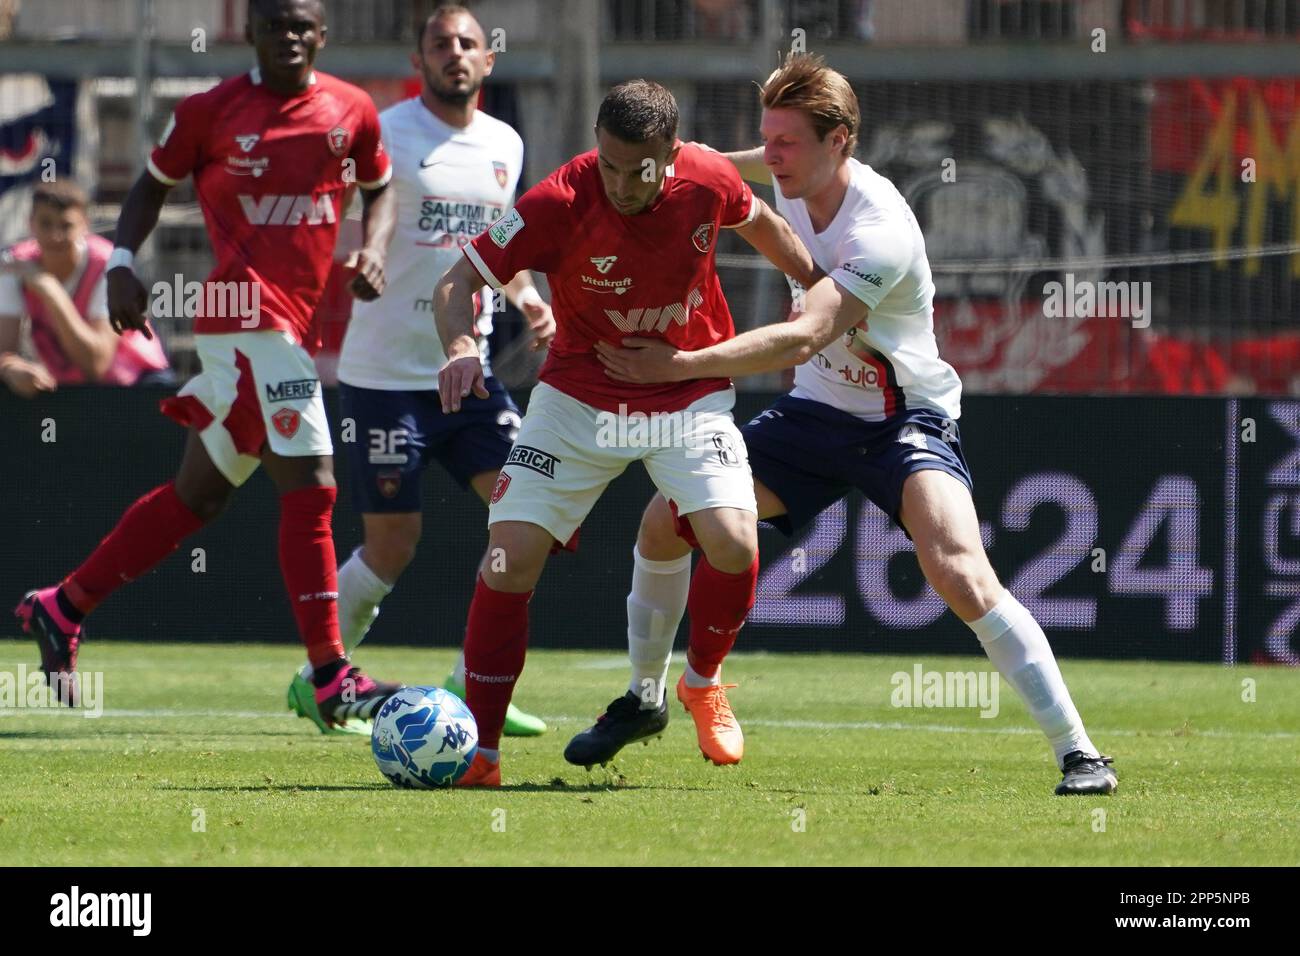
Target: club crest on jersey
pixel 702 238
pixel 286 422
pixel 499 169
pixel 604 263
pixel 389 482
pixel 338 139
pixel 248 141
pixel 499 489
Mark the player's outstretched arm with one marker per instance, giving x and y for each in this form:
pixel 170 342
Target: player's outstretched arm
pixel 453 310
pixel 829 311
pixel 773 238
pixel 749 163
pixel 127 297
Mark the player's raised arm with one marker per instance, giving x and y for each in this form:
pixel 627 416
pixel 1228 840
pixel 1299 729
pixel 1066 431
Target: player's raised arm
pixel 772 237
pixel 829 311
pixel 453 309
pixel 127 297
pixel 749 163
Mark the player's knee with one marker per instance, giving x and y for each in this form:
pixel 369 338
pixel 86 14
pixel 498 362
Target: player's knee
pixel 204 503
pixel 502 573
pixel 512 566
pixel 389 553
pixel 966 582
pixel 733 553
pixel 657 538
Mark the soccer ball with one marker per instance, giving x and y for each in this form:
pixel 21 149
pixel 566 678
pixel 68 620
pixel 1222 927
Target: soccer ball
pixel 424 737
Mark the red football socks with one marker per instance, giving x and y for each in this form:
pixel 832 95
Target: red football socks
pixel 717 604
pixel 496 642
pixel 151 529
pixel 310 573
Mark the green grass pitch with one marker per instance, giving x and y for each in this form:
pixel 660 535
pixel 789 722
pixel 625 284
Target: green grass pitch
pixel 196 761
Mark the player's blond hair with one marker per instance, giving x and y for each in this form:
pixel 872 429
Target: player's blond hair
pixel 804 82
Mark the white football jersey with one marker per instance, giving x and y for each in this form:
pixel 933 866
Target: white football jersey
pixel 451 185
pixel 874 249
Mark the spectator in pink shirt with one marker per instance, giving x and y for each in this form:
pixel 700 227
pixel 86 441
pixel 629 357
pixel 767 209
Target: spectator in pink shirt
pixel 56 279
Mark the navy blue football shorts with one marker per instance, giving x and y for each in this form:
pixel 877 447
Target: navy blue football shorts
pixel 811 455
pixel 398 433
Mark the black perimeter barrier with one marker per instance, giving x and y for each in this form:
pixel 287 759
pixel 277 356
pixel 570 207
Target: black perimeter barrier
pixel 1160 528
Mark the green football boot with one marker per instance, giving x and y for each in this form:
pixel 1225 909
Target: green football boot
pixel 302 701
pixel 518 724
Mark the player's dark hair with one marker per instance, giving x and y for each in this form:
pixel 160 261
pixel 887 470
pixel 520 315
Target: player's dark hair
pixel 804 82
pixel 255 5
pixel 637 111
pixel 441 11
pixel 61 195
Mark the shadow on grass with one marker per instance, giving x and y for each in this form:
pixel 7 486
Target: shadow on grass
pixel 555 786
pixel 285 788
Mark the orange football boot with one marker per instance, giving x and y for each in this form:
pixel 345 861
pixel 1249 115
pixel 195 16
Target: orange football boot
pixel 716 728
pixel 481 773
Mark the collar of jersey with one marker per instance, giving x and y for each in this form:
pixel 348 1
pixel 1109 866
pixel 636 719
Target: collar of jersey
pixel 255 74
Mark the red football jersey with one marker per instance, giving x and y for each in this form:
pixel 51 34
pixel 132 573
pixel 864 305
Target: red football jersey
pixel 270 171
pixel 611 276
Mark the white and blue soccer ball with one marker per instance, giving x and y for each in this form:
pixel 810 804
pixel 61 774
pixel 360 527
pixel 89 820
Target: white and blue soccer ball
pixel 424 737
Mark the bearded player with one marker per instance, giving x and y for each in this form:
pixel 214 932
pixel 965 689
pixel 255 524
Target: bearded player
pixel 874 407
pixel 626 235
pixel 455 170
pixel 271 153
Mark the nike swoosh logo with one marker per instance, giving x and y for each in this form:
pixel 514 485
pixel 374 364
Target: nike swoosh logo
pixel 424 165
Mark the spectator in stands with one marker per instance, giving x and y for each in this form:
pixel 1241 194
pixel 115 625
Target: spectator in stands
pixel 56 279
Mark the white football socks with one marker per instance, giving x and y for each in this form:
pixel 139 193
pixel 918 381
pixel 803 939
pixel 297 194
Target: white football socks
pixel 655 608
pixel 458 672
pixel 360 591
pixel 694 679
pixel 1019 650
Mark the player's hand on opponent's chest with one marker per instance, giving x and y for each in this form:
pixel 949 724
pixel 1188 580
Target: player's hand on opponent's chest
pixel 369 282
pixel 641 360
pixel 128 300
pixel 542 323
